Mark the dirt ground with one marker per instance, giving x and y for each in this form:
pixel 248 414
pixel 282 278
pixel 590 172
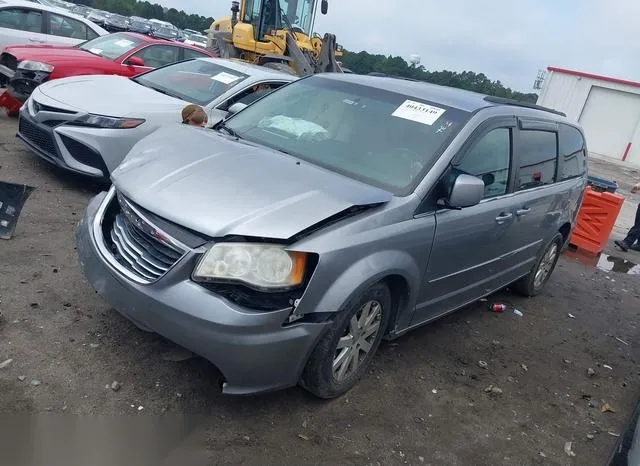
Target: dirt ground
pixel 424 402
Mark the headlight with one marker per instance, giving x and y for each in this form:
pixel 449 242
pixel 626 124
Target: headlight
pixel 35 66
pixel 99 121
pixel 262 266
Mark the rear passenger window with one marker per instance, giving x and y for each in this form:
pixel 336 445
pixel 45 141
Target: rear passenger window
pixel 489 159
pixel 67 27
pixel 538 154
pixel 573 153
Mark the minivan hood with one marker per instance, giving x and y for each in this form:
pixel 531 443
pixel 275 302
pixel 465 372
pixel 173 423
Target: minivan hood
pixel 110 95
pixel 212 184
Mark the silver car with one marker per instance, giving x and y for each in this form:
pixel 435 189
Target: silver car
pixel 339 210
pixel 87 124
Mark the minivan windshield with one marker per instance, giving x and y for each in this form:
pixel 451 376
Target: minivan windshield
pixel 197 81
pixel 383 138
pixel 111 46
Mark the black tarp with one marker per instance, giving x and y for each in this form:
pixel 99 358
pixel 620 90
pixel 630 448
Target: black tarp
pixel 12 199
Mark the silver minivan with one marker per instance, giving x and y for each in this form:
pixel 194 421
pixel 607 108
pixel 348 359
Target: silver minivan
pixel 285 243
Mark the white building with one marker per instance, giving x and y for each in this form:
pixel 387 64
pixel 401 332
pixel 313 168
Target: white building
pixel 607 108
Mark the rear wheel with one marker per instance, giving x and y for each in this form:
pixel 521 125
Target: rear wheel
pixel 346 351
pixel 533 283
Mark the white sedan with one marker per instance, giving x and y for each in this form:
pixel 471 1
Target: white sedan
pixel 28 23
pixel 88 124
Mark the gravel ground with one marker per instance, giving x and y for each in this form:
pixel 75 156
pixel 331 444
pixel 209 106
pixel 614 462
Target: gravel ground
pixel 424 402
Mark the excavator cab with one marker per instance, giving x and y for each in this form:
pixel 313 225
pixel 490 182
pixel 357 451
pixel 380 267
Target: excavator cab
pixel 276 34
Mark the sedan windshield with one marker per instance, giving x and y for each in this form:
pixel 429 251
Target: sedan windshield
pixel 197 81
pixel 111 46
pixel 379 137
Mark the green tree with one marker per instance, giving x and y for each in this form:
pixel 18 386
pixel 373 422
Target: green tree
pixel 365 63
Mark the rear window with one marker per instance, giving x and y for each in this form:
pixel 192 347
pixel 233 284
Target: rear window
pixel 383 138
pixel 573 160
pixel 538 154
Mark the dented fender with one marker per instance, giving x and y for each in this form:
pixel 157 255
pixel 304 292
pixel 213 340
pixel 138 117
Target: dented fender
pixel 361 275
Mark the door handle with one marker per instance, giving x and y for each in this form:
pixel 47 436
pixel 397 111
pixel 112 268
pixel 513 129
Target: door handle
pixel 523 211
pixel 37 41
pixel 503 217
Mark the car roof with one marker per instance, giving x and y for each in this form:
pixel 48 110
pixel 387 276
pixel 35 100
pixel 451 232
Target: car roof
pixel 452 97
pixel 157 40
pixel 250 69
pixel 52 9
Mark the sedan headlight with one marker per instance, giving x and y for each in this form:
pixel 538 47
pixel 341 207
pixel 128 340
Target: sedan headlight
pixel 263 266
pixel 30 65
pixel 100 121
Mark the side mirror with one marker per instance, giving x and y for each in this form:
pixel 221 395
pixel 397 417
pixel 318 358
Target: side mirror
pixel 135 61
pixel 324 7
pixel 467 191
pixel 235 108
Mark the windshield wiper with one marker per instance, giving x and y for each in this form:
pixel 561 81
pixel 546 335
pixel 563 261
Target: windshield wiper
pixel 161 91
pixel 229 131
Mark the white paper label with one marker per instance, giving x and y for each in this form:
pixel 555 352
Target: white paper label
pixel 418 112
pixel 96 51
pixel 225 78
pixel 123 43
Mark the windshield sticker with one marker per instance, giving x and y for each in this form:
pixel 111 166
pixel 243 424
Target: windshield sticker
pixel 225 78
pixel 96 51
pixel 123 43
pixel 418 112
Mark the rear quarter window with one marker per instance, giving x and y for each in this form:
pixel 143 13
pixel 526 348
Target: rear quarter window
pixel 538 154
pixel 573 153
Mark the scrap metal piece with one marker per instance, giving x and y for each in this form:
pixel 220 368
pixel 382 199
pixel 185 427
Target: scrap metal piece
pixel 12 199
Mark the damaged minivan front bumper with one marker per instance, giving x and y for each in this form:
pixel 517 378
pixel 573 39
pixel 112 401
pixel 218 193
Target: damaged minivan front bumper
pixel 255 350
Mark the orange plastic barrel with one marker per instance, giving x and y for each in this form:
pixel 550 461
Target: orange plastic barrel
pixel 596 219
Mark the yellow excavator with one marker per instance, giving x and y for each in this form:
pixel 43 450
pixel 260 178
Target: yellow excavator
pixel 276 34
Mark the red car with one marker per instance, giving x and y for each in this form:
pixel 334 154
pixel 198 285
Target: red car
pixel 24 67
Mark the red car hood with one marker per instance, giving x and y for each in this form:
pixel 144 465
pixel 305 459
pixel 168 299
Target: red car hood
pixel 52 54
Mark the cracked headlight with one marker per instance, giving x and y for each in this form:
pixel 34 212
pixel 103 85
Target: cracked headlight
pixel 268 267
pixel 30 65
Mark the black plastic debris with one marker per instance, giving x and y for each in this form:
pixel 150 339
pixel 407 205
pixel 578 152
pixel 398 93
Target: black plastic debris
pixel 12 199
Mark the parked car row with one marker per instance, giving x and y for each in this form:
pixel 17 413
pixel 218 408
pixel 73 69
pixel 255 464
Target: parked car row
pixel 312 217
pixel 24 67
pixel 116 23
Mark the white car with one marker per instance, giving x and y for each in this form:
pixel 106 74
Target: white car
pixel 88 124
pixel 25 23
pixel 196 39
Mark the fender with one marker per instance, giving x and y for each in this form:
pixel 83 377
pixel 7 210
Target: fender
pixel 366 272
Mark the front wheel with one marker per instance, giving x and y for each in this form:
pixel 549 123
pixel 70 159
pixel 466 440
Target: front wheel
pixel 346 351
pixel 532 284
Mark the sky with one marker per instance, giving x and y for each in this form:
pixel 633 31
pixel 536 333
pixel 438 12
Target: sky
pixel 506 40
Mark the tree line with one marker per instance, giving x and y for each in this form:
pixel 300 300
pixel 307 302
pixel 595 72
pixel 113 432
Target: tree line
pixel 360 62
pixel 149 10
pixel 365 63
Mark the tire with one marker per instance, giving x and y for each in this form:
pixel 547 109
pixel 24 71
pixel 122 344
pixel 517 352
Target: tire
pixel 532 284
pixel 318 376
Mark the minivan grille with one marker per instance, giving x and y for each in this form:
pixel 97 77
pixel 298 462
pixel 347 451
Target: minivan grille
pixel 140 252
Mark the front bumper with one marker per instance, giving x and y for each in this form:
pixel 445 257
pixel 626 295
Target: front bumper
pixel 92 152
pixel 254 351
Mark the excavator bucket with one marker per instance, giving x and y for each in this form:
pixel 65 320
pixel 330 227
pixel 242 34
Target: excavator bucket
pixel 327 62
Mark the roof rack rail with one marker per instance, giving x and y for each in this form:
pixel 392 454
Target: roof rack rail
pixel 519 103
pixel 384 75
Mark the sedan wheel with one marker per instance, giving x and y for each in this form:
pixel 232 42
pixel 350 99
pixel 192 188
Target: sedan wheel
pixel 346 351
